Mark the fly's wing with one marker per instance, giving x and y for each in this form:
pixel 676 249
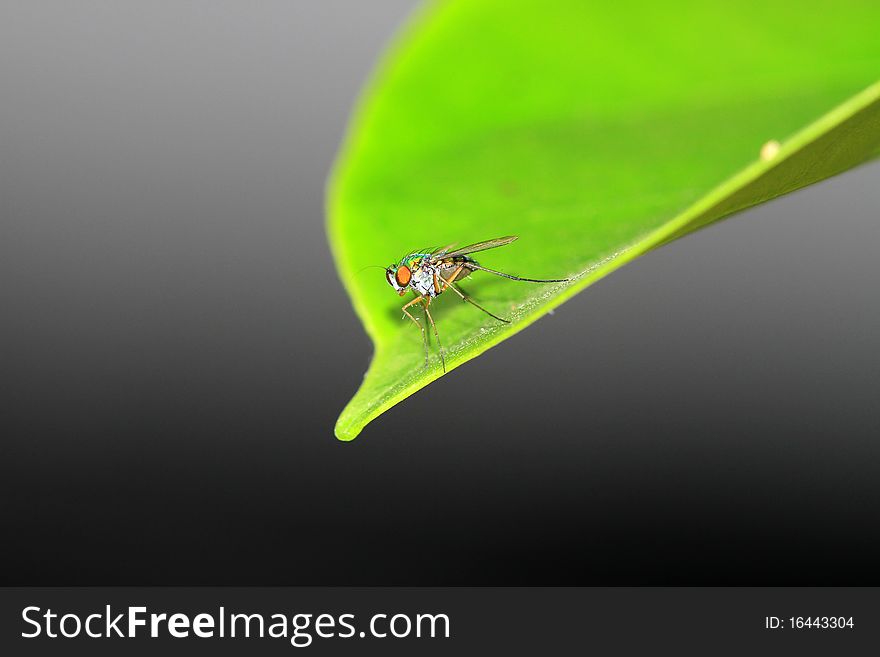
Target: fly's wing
pixel 441 253
pixel 479 246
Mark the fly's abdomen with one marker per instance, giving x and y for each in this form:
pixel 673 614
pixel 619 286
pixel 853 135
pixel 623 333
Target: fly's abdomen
pixel 448 268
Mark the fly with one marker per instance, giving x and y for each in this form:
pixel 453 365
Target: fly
pixel 430 274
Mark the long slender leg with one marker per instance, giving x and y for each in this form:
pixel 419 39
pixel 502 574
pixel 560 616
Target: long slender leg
pixel 449 285
pixel 427 301
pixel 451 279
pixel 476 267
pixel 420 327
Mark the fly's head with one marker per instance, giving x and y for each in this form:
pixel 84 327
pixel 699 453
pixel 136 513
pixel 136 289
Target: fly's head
pixel 398 277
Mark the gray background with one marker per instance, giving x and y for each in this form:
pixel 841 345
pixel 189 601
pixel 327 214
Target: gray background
pixel 176 347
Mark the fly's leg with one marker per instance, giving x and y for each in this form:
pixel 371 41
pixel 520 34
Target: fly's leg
pixel 427 301
pixel 475 267
pixel 419 326
pixel 448 283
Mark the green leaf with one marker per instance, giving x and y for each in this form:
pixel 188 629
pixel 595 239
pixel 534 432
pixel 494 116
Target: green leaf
pixel 595 131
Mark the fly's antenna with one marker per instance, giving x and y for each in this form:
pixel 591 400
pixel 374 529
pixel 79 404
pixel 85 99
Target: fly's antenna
pixel 472 265
pixel 369 267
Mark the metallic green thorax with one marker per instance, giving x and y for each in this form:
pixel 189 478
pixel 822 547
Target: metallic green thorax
pixel 413 260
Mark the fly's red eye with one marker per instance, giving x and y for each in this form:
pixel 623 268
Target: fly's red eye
pixel 403 275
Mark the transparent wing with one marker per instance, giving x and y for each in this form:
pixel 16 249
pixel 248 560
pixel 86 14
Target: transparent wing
pixel 479 246
pixel 442 252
